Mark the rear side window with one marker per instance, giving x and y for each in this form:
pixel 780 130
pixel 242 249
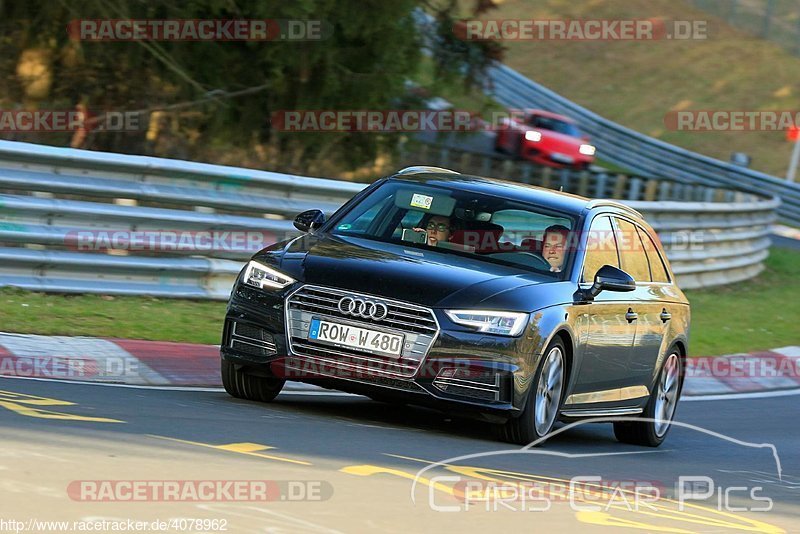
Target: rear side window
pixel 631 251
pixel 657 269
pixel 601 248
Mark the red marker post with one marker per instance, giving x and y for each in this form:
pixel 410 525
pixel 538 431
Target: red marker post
pixel 793 135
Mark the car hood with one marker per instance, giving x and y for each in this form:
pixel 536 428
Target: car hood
pixel 422 276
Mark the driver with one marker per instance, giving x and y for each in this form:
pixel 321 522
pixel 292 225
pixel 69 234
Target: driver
pixel 554 243
pixel 439 230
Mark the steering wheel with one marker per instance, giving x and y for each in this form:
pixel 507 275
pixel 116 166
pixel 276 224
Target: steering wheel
pixel 542 263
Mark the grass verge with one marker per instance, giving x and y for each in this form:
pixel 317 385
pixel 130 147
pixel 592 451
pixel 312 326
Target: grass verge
pixel 106 316
pixel 754 315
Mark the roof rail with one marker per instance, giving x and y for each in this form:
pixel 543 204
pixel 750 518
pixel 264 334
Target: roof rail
pixel 613 204
pixel 416 169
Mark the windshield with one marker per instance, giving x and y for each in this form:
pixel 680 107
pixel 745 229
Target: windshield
pixel 555 125
pixel 462 223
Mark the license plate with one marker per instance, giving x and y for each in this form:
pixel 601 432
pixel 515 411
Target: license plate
pixel 562 158
pixel 345 335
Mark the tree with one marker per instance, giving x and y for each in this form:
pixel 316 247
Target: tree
pixel 225 91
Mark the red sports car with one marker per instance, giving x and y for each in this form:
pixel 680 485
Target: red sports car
pixel 545 138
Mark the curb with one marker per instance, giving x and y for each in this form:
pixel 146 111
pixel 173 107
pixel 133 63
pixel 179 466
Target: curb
pixel 162 363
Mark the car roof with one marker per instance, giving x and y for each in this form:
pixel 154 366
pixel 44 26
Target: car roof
pixel 550 114
pixel 530 194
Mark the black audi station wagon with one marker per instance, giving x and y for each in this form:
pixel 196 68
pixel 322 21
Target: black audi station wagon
pixel 511 303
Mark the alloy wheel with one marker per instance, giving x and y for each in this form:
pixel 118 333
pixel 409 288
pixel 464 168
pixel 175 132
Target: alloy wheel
pixel 548 391
pixel 667 394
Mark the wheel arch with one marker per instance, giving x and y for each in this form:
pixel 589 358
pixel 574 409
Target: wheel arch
pixel 682 346
pixel 567 336
pixel 683 352
pixel 569 346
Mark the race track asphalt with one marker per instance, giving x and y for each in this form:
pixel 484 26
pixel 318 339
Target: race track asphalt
pixel 354 462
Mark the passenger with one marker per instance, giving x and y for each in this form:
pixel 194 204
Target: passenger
pixel 554 244
pixel 439 230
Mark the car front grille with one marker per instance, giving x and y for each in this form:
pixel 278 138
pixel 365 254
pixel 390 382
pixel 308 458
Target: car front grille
pixel 417 324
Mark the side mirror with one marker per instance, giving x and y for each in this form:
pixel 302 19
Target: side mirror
pixel 610 278
pixel 310 220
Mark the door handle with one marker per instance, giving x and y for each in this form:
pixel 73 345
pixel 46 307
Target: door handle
pixel 631 315
pixel 665 315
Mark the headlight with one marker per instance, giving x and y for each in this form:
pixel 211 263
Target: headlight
pixel 490 322
pixel 261 276
pixel 532 135
pixel 587 150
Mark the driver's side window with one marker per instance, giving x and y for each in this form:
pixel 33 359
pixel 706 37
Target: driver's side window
pixel 601 247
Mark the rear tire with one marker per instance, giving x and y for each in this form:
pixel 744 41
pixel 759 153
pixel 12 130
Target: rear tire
pixel 660 409
pixel 516 152
pixel 544 399
pixel 241 385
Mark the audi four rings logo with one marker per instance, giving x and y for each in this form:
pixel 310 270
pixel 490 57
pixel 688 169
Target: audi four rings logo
pixel 363 308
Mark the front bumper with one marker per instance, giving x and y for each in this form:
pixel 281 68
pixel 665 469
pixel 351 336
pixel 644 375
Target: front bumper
pixel 458 371
pixel 543 155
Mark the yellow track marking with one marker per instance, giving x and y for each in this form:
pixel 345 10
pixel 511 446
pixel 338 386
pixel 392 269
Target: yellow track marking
pixel 250 449
pixel 26 405
pixel 369 470
pixel 244 448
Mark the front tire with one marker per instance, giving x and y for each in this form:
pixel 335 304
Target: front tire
pixel 498 147
pixel 660 409
pixel 544 399
pixel 377 397
pixel 249 387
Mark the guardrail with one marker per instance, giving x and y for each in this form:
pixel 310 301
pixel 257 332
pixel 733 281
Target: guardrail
pixel 643 154
pixel 51 241
pixel 76 221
